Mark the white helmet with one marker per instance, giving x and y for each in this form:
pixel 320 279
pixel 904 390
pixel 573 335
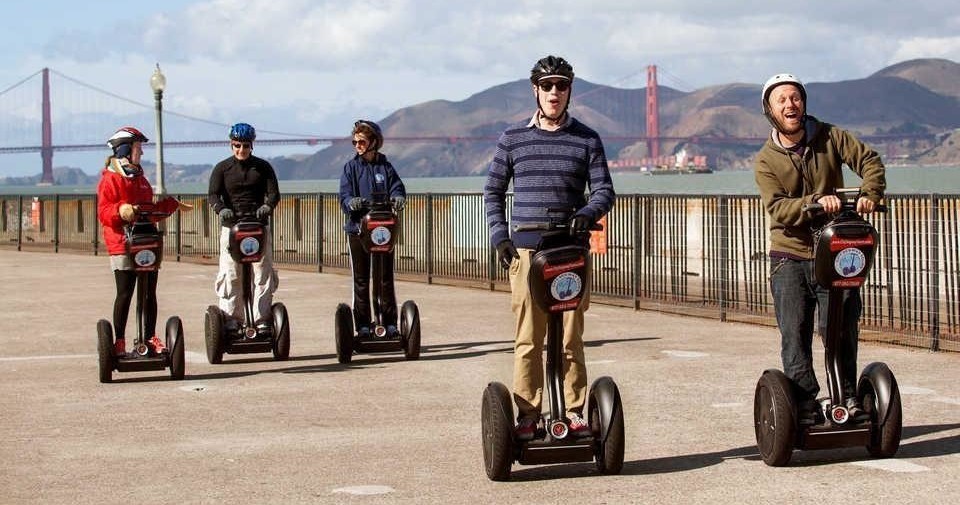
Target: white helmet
pixel 775 81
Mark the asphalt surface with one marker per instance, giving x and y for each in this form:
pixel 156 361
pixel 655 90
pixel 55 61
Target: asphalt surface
pixel 386 430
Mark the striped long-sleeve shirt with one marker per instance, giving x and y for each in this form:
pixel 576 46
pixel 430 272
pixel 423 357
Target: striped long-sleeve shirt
pixel 549 170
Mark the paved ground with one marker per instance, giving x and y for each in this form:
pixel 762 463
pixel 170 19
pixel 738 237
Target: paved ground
pixel 384 430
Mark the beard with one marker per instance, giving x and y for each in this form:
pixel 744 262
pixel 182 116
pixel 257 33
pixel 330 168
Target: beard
pixel 789 130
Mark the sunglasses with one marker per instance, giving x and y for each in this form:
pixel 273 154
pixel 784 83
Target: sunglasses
pixel 546 86
pixel 241 145
pixel 360 142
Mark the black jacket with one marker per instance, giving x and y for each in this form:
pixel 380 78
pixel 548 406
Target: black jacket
pixel 243 186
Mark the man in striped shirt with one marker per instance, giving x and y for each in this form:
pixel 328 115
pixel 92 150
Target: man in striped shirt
pixel 551 159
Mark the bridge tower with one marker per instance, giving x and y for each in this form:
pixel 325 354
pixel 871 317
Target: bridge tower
pixel 46 141
pixel 653 114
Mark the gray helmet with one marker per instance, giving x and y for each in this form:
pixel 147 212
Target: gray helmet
pixel 551 66
pixel 370 129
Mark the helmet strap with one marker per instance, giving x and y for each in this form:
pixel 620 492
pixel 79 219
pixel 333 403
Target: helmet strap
pixel 544 114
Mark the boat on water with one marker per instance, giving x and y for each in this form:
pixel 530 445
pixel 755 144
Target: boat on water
pixel 675 171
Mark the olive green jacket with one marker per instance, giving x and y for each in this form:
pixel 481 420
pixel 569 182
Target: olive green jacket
pixel 787 181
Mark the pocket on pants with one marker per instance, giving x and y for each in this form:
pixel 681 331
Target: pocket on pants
pixel 775 265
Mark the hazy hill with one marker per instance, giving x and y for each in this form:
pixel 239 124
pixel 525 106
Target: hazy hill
pixel 916 97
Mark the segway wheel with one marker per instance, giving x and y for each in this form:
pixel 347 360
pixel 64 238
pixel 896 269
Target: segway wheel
pixel 496 418
pixel 281 335
pixel 175 344
pixel 105 350
pixel 606 422
pixel 213 335
pixel 774 418
pixel 410 329
pixel 887 424
pixel 344 333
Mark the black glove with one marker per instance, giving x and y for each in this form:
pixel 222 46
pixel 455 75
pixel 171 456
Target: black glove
pixel 226 215
pixel 580 224
pixel 355 203
pixel 263 211
pixel 506 253
pixel 398 202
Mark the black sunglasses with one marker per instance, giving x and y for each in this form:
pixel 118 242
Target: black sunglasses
pixel 241 145
pixel 546 86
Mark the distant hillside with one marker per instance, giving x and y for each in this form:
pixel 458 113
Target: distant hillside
pixel 914 97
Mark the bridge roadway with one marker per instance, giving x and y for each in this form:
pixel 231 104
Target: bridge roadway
pixel 384 430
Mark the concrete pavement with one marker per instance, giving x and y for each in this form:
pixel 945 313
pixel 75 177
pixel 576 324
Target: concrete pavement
pixel 385 430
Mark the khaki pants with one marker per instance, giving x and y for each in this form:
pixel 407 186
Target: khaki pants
pixel 528 347
pixel 229 288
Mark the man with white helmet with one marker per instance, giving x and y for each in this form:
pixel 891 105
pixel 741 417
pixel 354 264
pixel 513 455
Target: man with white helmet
pixel 244 184
pixel 802 162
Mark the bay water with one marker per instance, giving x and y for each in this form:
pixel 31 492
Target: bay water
pixel 900 180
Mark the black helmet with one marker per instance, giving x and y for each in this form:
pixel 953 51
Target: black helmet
pixel 371 130
pixel 551 66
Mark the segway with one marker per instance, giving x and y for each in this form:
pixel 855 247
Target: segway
pixel 246 246
pixel 559 279
pixel 145 248
pixel 378 234
pixel 843 255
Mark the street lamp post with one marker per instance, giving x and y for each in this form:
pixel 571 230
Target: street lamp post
pixel 157 83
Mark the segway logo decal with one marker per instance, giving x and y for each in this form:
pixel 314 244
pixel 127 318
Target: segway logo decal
pixel 566 286
pixel 380 235
pixel 850 262
pixel 249 246
pixel 145 258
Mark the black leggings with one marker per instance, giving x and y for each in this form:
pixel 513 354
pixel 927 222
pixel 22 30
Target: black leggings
pixel 126 281
pixel 364 266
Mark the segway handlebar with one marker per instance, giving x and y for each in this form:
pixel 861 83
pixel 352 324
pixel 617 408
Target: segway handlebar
pixel 554 226
pixel 817 208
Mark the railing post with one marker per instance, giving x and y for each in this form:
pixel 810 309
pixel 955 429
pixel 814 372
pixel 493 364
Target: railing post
pixel 56 223
pixel 429 238
pixel 319 217
pixel 635 281
pixel 19 222
pixel 724 234
pixel 178 238
pixel 933 272
pixel 96 227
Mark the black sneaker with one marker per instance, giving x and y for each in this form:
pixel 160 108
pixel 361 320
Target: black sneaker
pixel 809 413
pixel 857 414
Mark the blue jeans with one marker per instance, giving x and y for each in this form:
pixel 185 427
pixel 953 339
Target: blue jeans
pixel 795 296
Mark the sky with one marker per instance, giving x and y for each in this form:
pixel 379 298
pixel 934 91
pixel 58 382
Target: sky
pixel 315 65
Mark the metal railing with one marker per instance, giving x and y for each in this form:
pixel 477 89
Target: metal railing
pixel 699 255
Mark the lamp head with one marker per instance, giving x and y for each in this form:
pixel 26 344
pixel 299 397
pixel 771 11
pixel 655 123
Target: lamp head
pixel 157 80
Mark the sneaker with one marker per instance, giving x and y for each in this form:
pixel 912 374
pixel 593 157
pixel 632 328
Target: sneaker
pixel 231 325
pixel 120 347
pixel 155 345
pixel 579 427
pixel 525 429
pixel 364 332
pixel 392 331
pixel 857 414
pixel 264 328
pixel 809 413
